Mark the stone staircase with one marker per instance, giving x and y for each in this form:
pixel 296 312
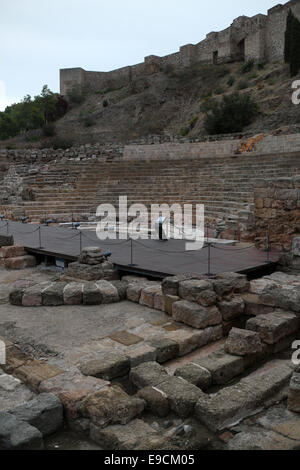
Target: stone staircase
pixel 73 189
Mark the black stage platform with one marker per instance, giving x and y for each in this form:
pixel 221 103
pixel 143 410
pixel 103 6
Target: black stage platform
pixel 149 257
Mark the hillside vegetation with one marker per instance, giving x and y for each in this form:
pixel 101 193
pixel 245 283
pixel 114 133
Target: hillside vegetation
pixel 174 102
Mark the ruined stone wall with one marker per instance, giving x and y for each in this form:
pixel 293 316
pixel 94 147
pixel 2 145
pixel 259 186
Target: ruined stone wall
pixel 260 38
pixel 277 211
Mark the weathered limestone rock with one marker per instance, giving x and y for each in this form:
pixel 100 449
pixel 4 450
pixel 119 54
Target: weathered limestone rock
pixel 148 294
pixel 111 405
pixel 191 290
pixel 294 394
pixel 12 251
pixel 71 388
pixel 166 349
pixel 13 393
pixel 73 293
pixel 91 294
pixel 136 435
pixel 121 287
pixel 239 282
pixel 20 262
pixel 105 365
pixel 6 240
pixel 34 372
pixel 32 296
pixel 170 285
pixel 195 374
pixel 140 353
pixel 207 298
pixel 261 439
pixel 223 367
pixel 45 412
pixel 159 301
pixel 169 301
pixel 91 256
pixel 17 434
pixel 286 298
pixel 108 292
pixel 274 326
pixel 254 306
pixel 156 401
pixel 17 291
pixel 53 295
pixel 243 342
pixel 195 315
pixel 188 340
pixel 282 421
pixel 232 308
pixel 182 395
pixel 231 404
pixel 97 272
pixel 134 292
pixel 148 374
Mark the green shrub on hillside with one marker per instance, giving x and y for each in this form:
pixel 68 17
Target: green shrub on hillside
pixel 248 66
pixel 231 115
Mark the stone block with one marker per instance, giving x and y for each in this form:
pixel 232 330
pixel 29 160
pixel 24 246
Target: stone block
pixel 274 326
pixel 166 349
pixel 182 395
pixel 111 405
pixel 32 296
pixel 169 301
pixel 20 262
pixel 159 301
pixel 18 435
pixel 294 394
pixel 147 374
pixel 73 293
pixel 71 388
pixel 231 309
pixel 226 283
pixel 53 295
pixel 121 287
pixel 34 372
pixel 12 251
pixel 189 340
pixel 45 412
pixel 194 315
pixel 91 294
pixel 170 285
pixel 195 374
pixel 191 290
pixel 243 342
pixel 223 367
pixel 156 401
pixel 232 404
pixel 140 353
pixel 105 365
pixel 254 307
pixel 134 292
pixel 136 435
pixel 126 338
pixel 108 292
pixel 148 294
pixel 17 291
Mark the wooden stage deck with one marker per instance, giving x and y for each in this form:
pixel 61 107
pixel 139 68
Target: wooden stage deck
pixel 151 257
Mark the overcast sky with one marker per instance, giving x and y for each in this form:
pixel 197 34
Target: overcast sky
pixel 38 37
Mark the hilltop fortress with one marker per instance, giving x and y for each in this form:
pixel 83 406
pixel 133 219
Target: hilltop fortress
pixel 260 38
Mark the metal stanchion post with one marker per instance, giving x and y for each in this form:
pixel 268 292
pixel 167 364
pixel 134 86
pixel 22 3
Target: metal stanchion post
pixel 209 274
pixel 40 237
pixel 131 253
pixel 7 228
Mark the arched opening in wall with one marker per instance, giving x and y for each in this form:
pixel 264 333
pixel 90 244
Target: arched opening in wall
pixel 215 57
pixel 241 50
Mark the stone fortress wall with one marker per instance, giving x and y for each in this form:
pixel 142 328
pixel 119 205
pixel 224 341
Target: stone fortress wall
pixel 260 38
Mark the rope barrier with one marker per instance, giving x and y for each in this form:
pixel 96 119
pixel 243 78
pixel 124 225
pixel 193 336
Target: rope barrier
pixel 104 243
